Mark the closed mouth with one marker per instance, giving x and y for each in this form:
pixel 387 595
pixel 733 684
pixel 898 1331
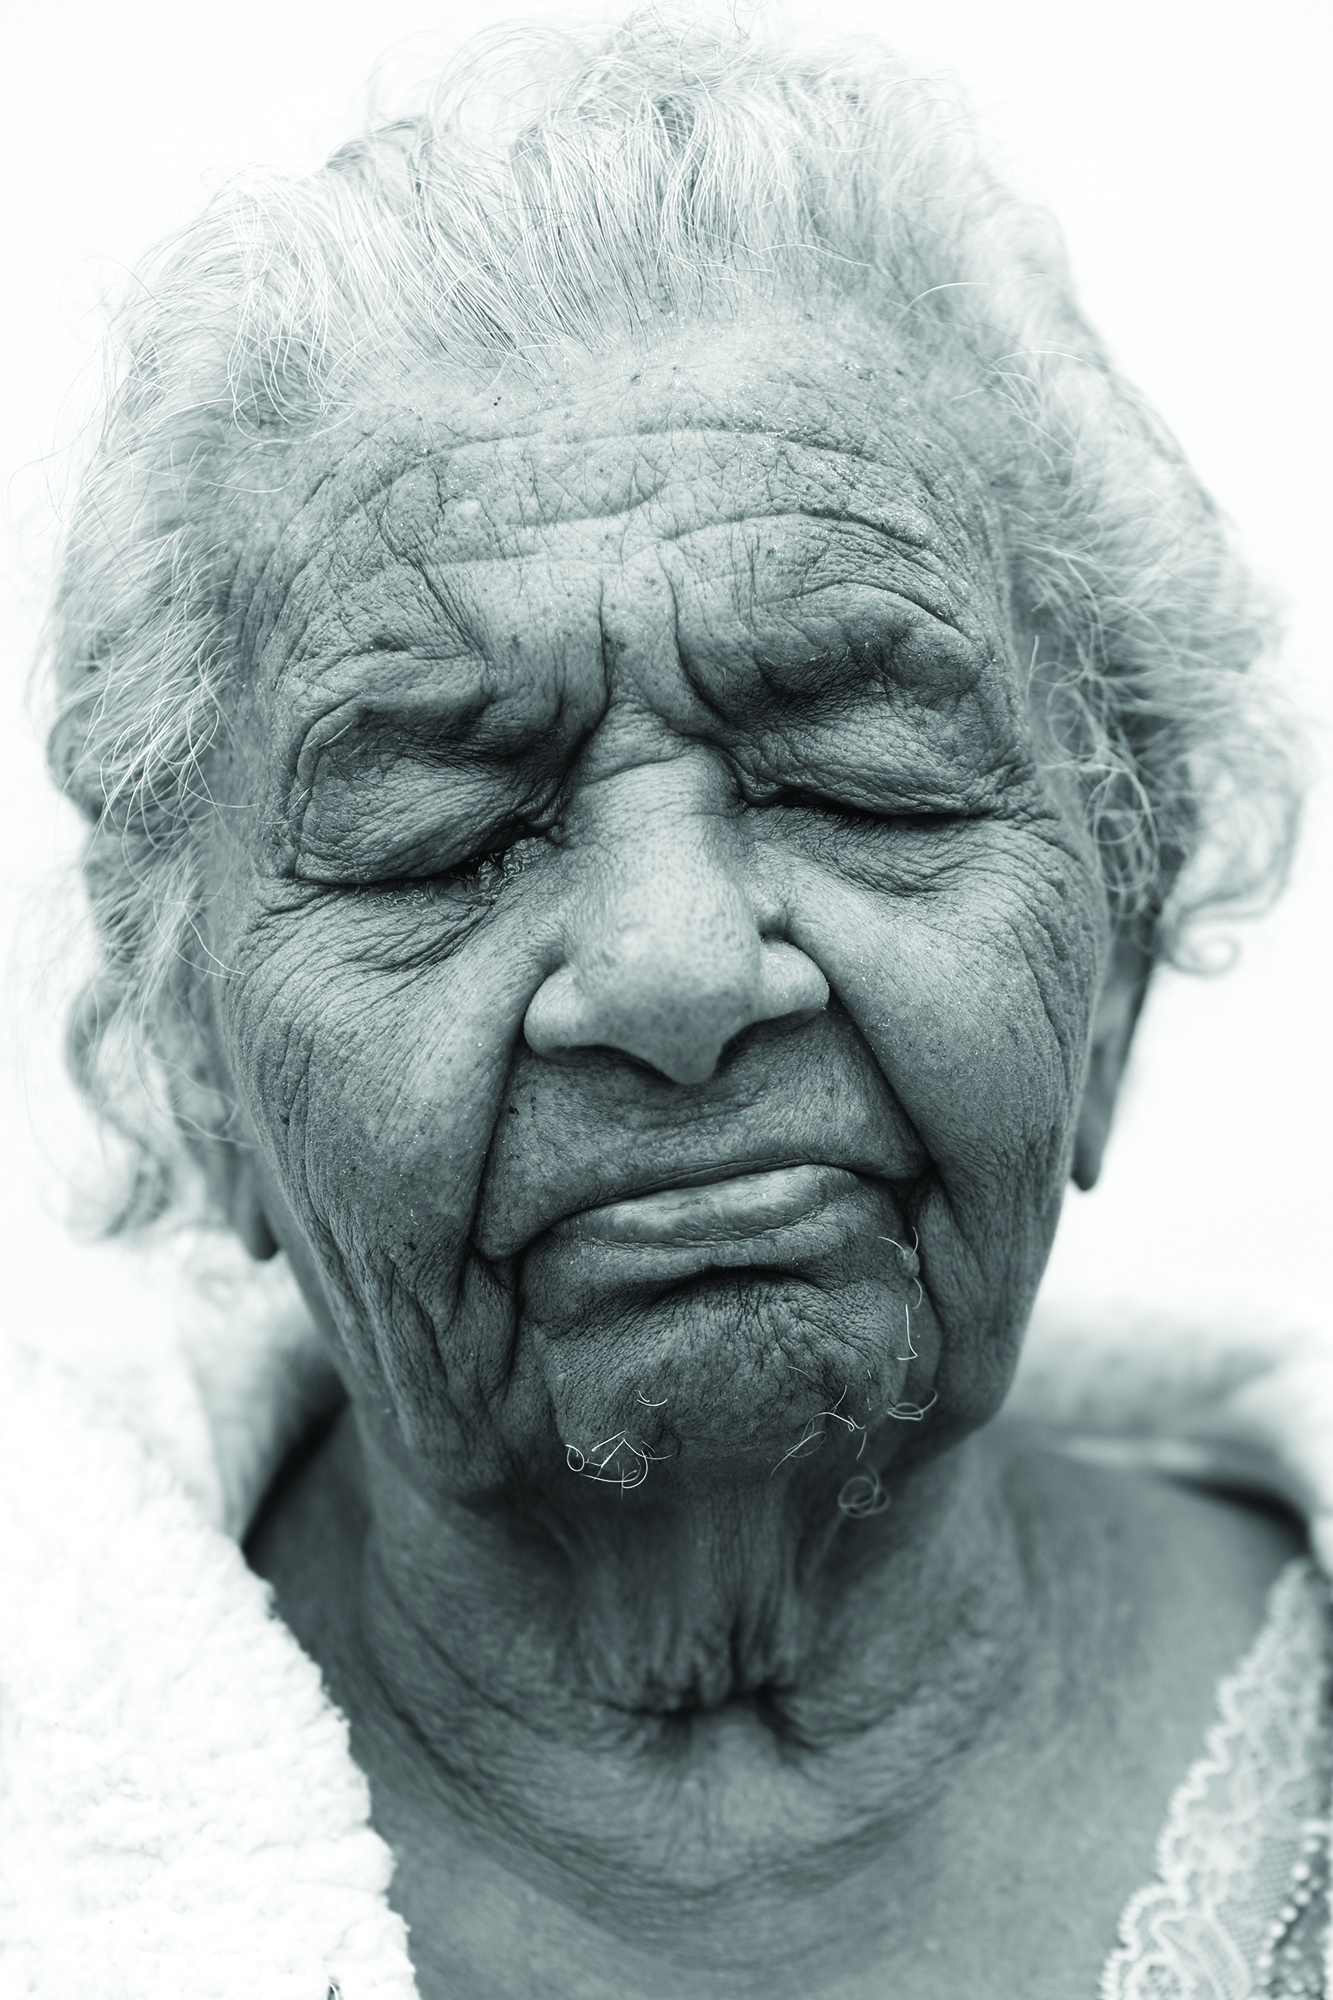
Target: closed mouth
pixel 712 1207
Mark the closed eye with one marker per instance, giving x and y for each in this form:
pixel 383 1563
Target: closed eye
pixel 856 817
pixel 478 877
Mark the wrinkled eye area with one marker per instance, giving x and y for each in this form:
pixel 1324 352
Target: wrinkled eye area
pixel 477 878
pixel 838 812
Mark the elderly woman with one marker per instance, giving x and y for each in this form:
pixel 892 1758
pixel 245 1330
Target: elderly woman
pixel 648 703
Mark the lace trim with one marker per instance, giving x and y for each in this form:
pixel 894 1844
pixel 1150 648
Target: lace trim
pixel 1222 1917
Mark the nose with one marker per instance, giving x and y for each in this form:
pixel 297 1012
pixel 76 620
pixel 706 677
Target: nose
pixel 665 958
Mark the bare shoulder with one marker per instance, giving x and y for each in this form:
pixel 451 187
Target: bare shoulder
pixel 1149 1593
pixel 1161 1584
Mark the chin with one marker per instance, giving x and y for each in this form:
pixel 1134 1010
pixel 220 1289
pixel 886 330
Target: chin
pixel 727 1366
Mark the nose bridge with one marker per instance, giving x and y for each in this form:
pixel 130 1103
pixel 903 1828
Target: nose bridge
pixel 669 895
pixel 665 954
pixel 664 946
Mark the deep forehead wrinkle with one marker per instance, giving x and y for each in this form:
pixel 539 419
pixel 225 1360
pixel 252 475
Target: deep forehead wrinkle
pixel 563 474
pixel 410 497
pixel 550 480
pixel 826 403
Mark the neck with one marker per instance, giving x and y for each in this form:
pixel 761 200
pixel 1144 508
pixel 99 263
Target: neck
pixel 733 1659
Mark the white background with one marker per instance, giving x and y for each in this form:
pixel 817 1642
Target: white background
pixel 1183 146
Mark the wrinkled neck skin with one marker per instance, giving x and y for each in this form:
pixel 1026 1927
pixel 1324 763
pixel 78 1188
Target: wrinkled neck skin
pixel 663 986
pixel 710 1707
pixel 712 1595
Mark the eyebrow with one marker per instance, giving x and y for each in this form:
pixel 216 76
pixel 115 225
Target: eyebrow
pixel 420 722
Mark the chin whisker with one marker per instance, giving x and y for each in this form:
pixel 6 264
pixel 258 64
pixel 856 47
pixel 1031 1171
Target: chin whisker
pixel 811 1438
pixel 603 1464
pixel 912 1413
pixel 863 1496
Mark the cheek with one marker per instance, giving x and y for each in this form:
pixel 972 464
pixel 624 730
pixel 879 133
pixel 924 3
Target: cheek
pixel 373 1098
pixel 975 1000
pixel 975 997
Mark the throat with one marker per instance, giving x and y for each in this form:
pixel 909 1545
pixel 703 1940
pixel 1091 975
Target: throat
pixel 689 1611
pixel 710 1644
pixel 734 1597
pixel 736 1660
pixel 721 1711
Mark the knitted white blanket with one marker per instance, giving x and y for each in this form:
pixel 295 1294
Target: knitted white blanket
pixel 179 1814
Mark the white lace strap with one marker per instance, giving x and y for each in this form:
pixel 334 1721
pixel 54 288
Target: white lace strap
pixel 1231 1917
pixel 1293 1961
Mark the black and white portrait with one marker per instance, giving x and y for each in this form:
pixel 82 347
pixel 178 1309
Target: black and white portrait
pixel 666 1072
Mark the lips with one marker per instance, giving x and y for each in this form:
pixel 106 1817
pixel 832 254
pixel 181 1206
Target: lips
pixel 810 1222
pixel 675 1188
pixel 727 1210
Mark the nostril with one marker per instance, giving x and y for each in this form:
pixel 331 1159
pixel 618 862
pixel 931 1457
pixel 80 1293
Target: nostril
pixel 553 1019
pixel 790 983
pixel 675 1019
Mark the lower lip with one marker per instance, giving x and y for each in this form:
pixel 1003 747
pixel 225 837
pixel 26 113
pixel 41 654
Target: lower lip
pixel 721 1212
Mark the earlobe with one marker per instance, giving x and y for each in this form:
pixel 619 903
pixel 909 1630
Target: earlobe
pixel 248 1217
pixel 1118 1008
pixel 1094 1124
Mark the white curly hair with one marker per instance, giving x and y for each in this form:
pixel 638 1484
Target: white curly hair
pixel 572 189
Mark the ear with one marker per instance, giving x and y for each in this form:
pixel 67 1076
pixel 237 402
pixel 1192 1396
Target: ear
pixel 247 1213
pixel 1116 1014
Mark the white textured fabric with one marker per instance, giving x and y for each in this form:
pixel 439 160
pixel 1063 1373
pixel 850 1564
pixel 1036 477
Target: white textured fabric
pixel 179 1815
pixel 180 1818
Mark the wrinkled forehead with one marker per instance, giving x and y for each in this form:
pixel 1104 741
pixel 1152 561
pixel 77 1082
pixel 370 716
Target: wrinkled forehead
pixel 721 511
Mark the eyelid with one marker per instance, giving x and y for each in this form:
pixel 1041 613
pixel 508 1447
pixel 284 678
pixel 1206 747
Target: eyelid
pixel 443 835
pixel 496 853
pixel 366 735
pixel 884 815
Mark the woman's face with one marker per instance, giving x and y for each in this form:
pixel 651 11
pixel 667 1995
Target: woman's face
pixel 634 793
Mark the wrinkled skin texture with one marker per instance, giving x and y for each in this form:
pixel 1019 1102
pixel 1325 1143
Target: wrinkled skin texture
pixel 635 787
pixel 636 806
